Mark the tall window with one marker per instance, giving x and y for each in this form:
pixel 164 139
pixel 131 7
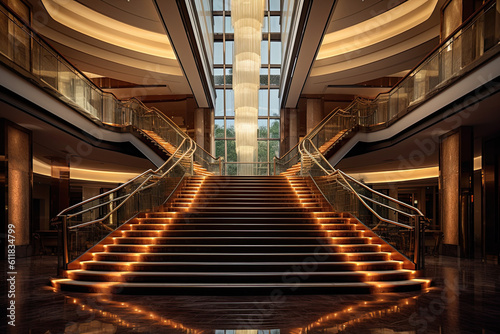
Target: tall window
pixel 269 109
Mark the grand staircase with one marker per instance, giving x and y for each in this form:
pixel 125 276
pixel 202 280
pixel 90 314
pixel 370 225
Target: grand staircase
pixel 242 235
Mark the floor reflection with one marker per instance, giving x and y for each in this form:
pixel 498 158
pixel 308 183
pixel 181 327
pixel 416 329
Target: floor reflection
pixel 463 300
pixel 194 314
pixel 292 314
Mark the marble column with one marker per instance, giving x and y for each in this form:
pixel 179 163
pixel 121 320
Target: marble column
pixel 210 127
pixel 314 112
pixel 293 135
pixel 16 170
pixel 199 126
pixel 456 162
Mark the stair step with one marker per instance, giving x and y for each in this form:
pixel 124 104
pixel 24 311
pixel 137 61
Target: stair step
pixel 247 186
pixel 256 200
pixel 244 240
pixel 215 248
pixel 252 191
pixel 233 209
pixel 239 233
pixel 238 277
pixel 241 214
pixel 209 219
pixel 219 194
pixel 238 266
pixel 210 226
pixel 236 288
pixel 247 257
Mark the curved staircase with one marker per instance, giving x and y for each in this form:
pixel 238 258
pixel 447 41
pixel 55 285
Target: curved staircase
pixel 324 149
pixel 242 235
pixel 170 149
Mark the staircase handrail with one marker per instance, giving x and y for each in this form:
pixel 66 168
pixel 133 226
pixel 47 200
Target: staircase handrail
pixel 129 195
pixel 352 109
pixel 152 179
pixel 345 176
pixel 149 171
pixel 60 59
pixel 417 211
pixel 442 43
pixel 314 130
pixel 180 131
pixel 308 150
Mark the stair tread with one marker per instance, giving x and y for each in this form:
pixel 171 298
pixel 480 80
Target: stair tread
pixel 246 218
pixel 301 231
pixel 239 285
pixel 239 263
pixel 232 273
pixel 248 212
pixel 245 254
pixel 251 238
pixel 240 246
pixel 242 224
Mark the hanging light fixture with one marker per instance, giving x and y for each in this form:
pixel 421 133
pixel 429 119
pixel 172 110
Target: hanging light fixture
pixel 246 17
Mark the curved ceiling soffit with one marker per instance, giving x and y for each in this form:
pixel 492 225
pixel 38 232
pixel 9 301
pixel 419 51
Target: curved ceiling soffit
pixel 113 56
pixel 113 33
pixel 94 24
pixel 371 57
pixel 378 29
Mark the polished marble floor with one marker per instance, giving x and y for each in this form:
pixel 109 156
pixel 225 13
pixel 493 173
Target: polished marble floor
pixel 465 298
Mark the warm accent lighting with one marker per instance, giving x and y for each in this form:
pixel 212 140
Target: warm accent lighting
pixel 42 168
pixel 405 174
pixel 129 312
pixel 246 17
pixel 377 29
pixel 104 28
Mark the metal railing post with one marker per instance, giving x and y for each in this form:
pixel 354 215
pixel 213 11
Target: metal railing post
pixel 416 243
pixel 301 165
pixel 274 165
pixel 65 242
pixel 422 226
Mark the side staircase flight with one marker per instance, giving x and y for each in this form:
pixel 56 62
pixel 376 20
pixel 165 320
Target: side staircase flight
pixel 171 149
pixel 242 235
pixel 323 149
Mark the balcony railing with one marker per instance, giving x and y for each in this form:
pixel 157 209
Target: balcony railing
pixel 24 51
pixel 472 43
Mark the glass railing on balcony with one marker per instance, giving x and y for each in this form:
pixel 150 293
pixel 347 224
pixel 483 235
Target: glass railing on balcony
pixel 23 50
pixel 456 55
pixel 473 42
pixel 399 224
pixel 87 223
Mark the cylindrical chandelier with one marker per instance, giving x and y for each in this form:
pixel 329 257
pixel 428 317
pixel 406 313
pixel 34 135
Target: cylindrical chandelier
pixel 247 17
